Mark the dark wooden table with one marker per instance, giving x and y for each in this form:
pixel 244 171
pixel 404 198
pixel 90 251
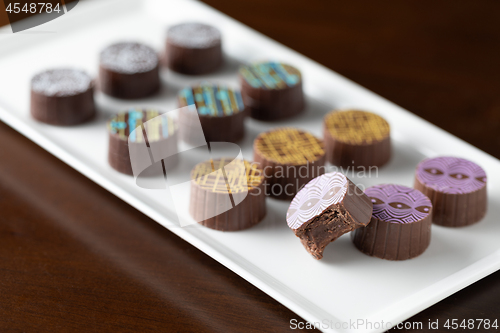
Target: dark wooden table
pixel 74 258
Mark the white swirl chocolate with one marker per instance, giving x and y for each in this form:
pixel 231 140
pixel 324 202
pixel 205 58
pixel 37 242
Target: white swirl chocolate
pixel 319 194
pixel 325 209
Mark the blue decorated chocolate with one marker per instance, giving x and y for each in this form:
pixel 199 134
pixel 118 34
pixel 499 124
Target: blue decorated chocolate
pixel 123 125
pixel 212 99
pixel 140 129
pixel 270 75
pixel 218 109
pixel 271 90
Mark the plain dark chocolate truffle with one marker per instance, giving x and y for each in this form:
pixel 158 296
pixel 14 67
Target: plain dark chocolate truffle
pixel 218 108
pixel 154 129
pixel 272 90
pixel 193 48
pixel 325 209
pixel 457 189
pixel 356 139
pixel 227 194
pixel 289 158
pixel 129 70
pixel 400 226
pixel 62 97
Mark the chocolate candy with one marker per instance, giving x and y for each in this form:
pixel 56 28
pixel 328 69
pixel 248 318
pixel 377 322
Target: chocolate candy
pixel 272 90
pixel 220 111
pixel 290 158
pixel 400 226
pixel 456 187
pixel 62 97
pixel 356 139
pixel 227 194
pixel 325 209
pixel 129 71
pixel 152 129
pixel 193 48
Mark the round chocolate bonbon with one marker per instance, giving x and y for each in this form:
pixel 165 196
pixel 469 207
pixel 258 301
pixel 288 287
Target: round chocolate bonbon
pixel 400 226
pixel 193 48
pixel 227 194
pixel 62 96
pixel 220 111
pixel 457 188
pixel 326 208
pixel 129 70
pixel 290 158
pixel 153 128
pixel 272 90
pixel 355 138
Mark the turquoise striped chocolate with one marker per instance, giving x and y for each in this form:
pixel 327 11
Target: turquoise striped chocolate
pixel 270 75
pixel 212 99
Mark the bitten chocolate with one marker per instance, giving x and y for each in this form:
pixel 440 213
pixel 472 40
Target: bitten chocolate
pixel 129 71
pixel 220 111
pixel 153 129
pixel 62 97
pixel 356 139
pixel 400 226
pixel 193 48
pixel 290 158
pixel 325 209
pixel 227 194
pixel 272 90
pixel 457 189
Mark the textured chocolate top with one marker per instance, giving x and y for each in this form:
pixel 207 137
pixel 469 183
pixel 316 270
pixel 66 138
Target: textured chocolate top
pixel 357 127
pixel 398 203
pixel 316 196
pixel 61 82
pixel 212 99
pixel 451 175
pixel 129 58
pixel 289 146
pixel 157 127
pixel 270 75
pixel 226 175
pixel 194 35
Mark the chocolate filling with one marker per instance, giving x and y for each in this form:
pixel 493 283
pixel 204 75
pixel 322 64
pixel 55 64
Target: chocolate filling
pixel 324 229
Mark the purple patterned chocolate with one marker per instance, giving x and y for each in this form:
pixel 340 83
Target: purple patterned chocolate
pixel 315 197
pixel 398 204
pixel 451 175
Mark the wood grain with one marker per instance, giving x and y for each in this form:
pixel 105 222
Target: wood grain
pixel 4 19
pixel 75 258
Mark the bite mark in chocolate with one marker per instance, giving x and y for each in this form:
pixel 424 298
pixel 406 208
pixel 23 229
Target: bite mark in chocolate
pixel 325 209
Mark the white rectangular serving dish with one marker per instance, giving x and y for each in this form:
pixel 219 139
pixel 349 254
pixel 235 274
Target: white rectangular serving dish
pixel 345 285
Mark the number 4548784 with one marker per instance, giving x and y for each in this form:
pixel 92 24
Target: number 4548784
pixel 32 8
pixel 471 324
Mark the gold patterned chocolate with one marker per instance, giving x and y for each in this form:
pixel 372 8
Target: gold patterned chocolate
pixel 227 175
pixel 357 127
pixel 289 146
